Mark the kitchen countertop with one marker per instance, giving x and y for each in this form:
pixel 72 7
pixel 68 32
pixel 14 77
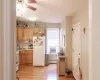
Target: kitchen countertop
pixel 17 52
pixel 61 56
pixel 25 49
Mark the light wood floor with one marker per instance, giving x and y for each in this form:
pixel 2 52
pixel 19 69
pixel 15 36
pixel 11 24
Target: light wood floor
pixel 40 73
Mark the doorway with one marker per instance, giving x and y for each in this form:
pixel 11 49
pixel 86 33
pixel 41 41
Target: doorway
pixel 76 46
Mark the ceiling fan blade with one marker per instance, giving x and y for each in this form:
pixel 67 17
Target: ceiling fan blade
pixel 31 1
pixel 30 7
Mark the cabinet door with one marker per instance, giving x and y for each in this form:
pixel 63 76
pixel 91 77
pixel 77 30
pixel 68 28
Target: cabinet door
pixel 35 31
pixel 26 37
pixel 29 58
pixel 22 59
pixel 20 33
pixel 30 30
pixel 42 30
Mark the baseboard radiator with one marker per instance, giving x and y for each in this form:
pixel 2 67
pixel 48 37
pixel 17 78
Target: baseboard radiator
pixel 52 58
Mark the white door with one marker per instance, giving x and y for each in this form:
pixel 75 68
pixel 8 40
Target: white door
pixel 76 45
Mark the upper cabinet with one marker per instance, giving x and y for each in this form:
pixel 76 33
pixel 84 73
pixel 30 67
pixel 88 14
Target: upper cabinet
pixel 20 33
pixel 39 31
pixel 30 33
pixel 42 30
pixel 27 34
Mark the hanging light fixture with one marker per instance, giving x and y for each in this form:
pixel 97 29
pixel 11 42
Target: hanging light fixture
pixel 20 7
pixel 32 18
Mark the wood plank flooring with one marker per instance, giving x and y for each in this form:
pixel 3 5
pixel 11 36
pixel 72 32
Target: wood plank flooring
pixel 40 73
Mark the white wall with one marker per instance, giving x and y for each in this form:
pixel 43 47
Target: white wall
pixel 52 25
pixel 94 39
pixel 66 29
pixel 1 41
pixel 62 33
pixel 69 41
pixel 82 18
pixel 7 39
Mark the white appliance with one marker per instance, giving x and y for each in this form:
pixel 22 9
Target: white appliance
pixel 38 51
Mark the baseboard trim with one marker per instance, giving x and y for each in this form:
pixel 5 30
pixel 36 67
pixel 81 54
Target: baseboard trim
pixel 52 61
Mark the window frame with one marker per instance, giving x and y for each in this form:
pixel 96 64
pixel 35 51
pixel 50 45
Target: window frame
pixel 58 40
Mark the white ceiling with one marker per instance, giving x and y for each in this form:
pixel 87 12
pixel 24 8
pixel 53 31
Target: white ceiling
pixel 52 11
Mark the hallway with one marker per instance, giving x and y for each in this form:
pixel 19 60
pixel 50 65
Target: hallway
pixel 40 73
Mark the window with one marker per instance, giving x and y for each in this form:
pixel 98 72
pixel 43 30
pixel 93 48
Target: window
pixel 52 40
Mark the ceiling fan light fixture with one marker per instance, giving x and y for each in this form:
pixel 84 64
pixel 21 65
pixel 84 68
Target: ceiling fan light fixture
pixel 33 19
pixel 18 6
pixel 21 7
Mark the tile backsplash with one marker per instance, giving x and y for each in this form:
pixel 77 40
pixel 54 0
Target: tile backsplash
pixel 26 45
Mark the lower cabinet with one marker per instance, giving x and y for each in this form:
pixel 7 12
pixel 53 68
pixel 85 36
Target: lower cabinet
pixel 29 57
pixel 61 65
pixel 26 57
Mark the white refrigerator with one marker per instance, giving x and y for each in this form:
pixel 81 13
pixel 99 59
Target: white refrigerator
pixel 38 51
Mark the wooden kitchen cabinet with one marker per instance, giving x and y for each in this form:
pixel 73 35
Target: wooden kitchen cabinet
pixel 26 57
pixel 37 30
pixel 26 36
pixel 19 33
pixel 30 33
pixel 61 65
pixel 22 58
pixel 42 30
pixel 29 57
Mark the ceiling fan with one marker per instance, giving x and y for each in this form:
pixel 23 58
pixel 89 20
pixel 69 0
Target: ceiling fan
pixel 26 3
